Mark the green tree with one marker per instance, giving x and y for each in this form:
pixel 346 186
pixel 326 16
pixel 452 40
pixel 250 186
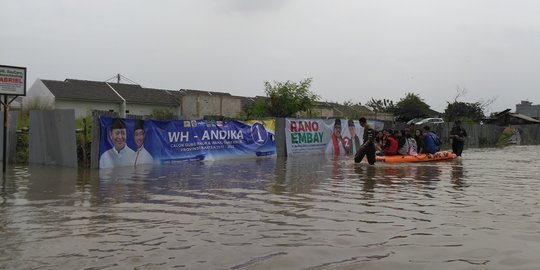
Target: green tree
pixel 381 105
pixel 288 98
pixel 464 111
pixel 409 107
pixel 258 108
pixel 353 110
pixel 467 112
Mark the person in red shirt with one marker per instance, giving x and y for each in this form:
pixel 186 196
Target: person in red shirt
pixel 391 146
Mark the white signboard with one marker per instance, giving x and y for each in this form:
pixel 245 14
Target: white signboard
pixel 12 81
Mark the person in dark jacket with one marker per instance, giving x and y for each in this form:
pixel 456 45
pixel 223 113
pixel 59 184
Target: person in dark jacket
pixel 367 149
pixel 419 137
pixel 458 134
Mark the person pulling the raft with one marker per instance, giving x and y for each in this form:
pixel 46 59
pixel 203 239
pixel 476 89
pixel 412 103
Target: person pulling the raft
pixel 368 147
pixel 458 134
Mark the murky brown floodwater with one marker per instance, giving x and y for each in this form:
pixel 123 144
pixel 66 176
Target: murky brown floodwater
pixel 480 212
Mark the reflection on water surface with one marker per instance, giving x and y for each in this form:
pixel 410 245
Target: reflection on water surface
pixel 306 212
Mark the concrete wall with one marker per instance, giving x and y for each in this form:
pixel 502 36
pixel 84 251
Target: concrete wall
pixel 84 108
pixel 189 107
pixel 197 106
pixel 231 106
pixel 52 138
pixel 11 135
pixel 209 105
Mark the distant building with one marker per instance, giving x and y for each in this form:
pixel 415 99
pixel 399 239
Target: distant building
pixel 526 108
pixel 129 99
pixel 506 118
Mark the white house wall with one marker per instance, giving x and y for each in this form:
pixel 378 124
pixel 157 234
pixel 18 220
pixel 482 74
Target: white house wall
pixel 140 109
pixel 38 93
pixel 84 108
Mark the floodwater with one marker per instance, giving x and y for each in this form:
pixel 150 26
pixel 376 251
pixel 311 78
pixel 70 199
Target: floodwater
pixel 308 212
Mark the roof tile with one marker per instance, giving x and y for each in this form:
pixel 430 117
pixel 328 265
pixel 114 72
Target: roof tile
pixel 82 90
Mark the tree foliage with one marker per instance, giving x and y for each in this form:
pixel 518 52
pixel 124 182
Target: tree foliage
pixel 467 112
pixel 288 98
pixel 353 110
pixel 257 109
pixel 409 107
pixel 381 105
pixel 464 111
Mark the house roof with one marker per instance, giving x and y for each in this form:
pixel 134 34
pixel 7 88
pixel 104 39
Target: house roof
pixel 134 93
pixel 101 91
pixel 525 118
pixel 81 90
pixel 508 118
pixel 434 114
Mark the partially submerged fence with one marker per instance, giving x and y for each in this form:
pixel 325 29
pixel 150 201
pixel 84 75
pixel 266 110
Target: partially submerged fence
pixel 52 138
pixel 53 142
pixel 487 135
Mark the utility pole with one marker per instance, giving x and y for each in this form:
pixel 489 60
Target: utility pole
pixel 14 84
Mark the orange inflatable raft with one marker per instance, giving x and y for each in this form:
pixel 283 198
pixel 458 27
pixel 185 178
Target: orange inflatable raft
pixel 438 156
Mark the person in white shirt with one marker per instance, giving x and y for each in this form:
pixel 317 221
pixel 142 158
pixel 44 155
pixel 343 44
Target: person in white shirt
pixel 120 155
pixel 142 156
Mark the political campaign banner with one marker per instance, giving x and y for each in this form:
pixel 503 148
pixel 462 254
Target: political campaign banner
pixel 131 142
pixel 330 136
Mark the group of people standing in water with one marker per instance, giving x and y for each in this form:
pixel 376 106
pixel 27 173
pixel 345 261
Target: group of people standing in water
pixel 410 141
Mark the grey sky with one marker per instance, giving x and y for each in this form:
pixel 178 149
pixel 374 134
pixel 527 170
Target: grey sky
pixel 354 50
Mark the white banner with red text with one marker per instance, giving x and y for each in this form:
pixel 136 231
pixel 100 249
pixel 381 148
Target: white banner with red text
pixel 330 136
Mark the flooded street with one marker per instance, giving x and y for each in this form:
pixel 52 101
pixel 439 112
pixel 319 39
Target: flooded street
pixel 306 212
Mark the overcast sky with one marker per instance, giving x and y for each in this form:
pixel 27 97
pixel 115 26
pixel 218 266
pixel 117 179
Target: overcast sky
pixel 354 50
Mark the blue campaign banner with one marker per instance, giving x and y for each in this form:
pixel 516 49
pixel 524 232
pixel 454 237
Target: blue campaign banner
pixel 130 142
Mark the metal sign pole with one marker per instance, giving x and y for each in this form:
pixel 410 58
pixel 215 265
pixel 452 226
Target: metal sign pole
pixel 13 83
pixel 6 103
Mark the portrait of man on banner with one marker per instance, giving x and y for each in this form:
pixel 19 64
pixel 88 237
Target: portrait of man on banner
pixel 120 154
